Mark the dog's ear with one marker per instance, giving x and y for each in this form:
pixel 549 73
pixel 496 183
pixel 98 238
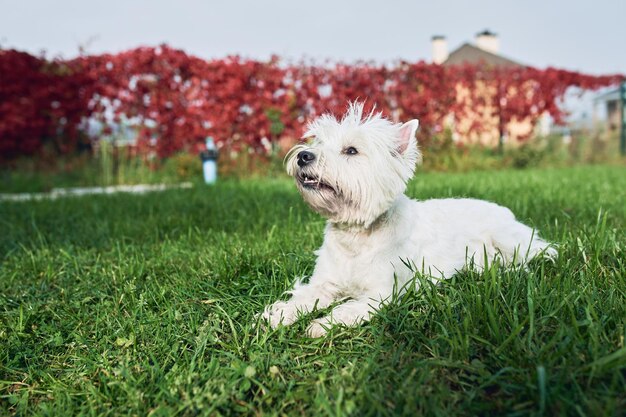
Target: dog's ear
pixel 407 135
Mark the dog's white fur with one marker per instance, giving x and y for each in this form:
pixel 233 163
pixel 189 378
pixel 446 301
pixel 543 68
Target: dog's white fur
pixel 376 237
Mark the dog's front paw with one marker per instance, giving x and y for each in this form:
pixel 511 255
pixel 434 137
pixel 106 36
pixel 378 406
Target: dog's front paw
pixel 318 328
pixel 281 312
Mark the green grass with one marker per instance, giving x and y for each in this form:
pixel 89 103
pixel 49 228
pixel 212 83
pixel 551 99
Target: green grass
pixel 145 305
pixel 42 174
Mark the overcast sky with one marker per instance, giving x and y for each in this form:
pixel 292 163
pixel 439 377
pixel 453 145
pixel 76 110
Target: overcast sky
pixel 579 35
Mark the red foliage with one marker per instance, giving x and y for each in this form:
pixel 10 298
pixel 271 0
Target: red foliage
pixel 39 100
pixel 179 99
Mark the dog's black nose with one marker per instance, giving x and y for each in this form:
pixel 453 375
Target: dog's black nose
pixel 305 158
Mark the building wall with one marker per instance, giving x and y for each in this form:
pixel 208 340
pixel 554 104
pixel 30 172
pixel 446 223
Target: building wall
pixel 479 122
pixel 613 115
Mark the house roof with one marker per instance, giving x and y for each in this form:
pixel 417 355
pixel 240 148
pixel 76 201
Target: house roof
pixel 610 95
pixel 470 54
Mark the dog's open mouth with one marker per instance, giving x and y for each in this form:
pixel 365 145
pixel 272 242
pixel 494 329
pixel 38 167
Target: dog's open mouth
pixel 313 182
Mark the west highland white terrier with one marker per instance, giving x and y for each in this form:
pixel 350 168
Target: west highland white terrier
pixel 354 172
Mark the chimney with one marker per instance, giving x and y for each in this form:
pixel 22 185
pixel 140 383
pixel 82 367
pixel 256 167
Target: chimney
pixel 488 41
pixel 440 49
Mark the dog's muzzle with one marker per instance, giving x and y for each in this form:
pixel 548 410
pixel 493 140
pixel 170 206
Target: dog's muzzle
pixel 305 158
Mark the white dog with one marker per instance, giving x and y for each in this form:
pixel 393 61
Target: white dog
pixel 354 173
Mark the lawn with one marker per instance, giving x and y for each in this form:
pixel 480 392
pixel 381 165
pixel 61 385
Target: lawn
pixel 145 305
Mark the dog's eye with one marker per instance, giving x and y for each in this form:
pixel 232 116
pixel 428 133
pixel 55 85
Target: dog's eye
pixel 351 150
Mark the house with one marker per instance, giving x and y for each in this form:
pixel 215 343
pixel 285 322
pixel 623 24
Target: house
pixel 612 103
pixel 485 51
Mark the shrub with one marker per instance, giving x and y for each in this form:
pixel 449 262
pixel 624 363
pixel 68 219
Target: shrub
pixel 174 100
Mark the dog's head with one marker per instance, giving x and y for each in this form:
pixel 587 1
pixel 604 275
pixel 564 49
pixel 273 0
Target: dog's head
pixel 351 170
